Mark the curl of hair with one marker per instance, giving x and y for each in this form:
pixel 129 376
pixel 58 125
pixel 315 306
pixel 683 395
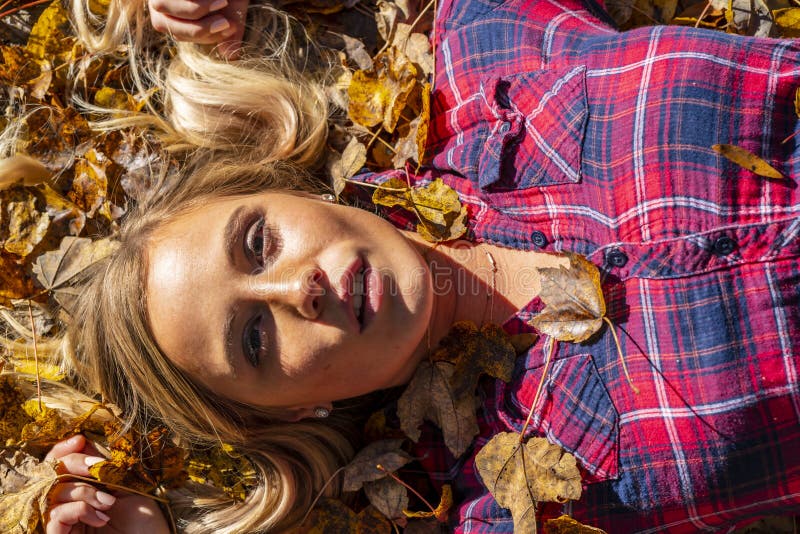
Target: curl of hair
pixel 277 112
pixel 110 349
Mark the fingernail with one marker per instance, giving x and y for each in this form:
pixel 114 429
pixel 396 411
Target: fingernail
pixel 105 498
pixel 102 516
pixel 218 25
pixel 91 460
pixel 217 5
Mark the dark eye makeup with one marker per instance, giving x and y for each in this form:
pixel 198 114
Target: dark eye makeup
pixel 253 340
pixel 255 240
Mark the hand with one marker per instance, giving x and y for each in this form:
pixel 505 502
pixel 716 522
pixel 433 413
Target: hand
pixel 202 21
pixel 75 506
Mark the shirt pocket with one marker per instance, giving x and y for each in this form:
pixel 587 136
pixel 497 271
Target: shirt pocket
pixel 574 410
pixel 536 126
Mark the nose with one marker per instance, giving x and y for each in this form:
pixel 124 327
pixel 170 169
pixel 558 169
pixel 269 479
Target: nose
pixel 300 290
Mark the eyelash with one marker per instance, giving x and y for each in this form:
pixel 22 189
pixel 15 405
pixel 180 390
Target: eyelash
pixel 254 332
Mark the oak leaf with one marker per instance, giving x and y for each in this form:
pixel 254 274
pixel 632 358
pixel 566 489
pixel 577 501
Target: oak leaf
pixel 429 396
pixel 748 160
pixel 25 483
pixel 519 475
pixel 386 453
pixel 566 525
pixel 575 306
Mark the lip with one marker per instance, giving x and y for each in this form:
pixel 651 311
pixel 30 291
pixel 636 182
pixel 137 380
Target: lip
pixel 373 294
pixel 346 291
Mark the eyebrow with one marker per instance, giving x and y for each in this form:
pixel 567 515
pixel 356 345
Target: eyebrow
pixel 233 229
pixel 227 336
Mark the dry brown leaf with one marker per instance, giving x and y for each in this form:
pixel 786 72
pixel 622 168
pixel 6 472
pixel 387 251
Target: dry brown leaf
pixel 386 452
pixel 429 396
pixel 343 167
pixel 223 468
pixel 748 160
pixel 379 95
pixel 58 268
pixel 476 352
pixel 442 510
pixel 22 225
pixel 25 483
pixel 56 136
pixel 574 301
pixel 424 122
pixel 333 516
pixel 388 496
pixel 520 475
pixel 566 525
pixel 442 216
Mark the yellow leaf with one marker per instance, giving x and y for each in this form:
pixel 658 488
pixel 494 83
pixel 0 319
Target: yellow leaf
pixel 49 36
pixel 47 371
pixel 343 166
pixel 393 192
pixel 378 95
pixel 797 101
pixel 520 475
pixel 224 469
pixel 748 160
pixel 441 215
pixel 441 512
pixel 424 120
pixel 566 525
pixel 789 21
pixel 110 98
pixel 26 482
pixel 23 225
pixel 574 301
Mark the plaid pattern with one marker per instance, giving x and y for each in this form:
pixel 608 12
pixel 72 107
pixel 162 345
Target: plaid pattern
pixel 562 134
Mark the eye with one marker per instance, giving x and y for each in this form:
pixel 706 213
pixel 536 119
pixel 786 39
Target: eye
pixel 255 241
pixel 253 340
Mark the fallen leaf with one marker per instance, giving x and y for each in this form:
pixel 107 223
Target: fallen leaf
pixel 331 516
pixel 26 481
pixel 748 160
pixel 788 20
pixel 442 510
pixel 14 281
pixel 57 268
pixel 429 396
pixel 475 352
pixel 23 225
pixel 574 301
pixel 424 121
pixel 223 468
pixel 50 35
pixel 387 496
pixel 520 475
pixel 363 468
pixel 566 525
pixel 352 160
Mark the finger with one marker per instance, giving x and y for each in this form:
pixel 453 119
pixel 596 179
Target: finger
pixel 207 30
pixel 186 9
pixel 78 464
pixel 236 13
pixel 79 491
pixel 64 516
pixel 62 448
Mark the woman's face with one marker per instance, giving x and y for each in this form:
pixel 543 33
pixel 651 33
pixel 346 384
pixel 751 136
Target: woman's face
pixel 284 300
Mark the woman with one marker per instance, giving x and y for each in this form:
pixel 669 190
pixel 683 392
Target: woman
pixel 559 134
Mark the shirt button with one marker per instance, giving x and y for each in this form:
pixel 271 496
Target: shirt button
pixel 505 127
pixel 616 258
pixel 724 245
pixel 538 238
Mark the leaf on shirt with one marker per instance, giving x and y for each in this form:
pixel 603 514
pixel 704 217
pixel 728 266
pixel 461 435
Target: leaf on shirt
pixel 343 166
pixel 25 483
pixel 748 160
pixel 331 515
pixel 574 301
pixel 441 215
pixel 519 475
pixel 476 352
pixel 363 468
pixel 566 525
pixel 429 396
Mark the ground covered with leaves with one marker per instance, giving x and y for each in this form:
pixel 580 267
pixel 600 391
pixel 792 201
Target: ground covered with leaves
pixel 62 197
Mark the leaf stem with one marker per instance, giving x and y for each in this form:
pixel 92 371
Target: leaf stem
pixel 20 8
pixel 552 343
pixel 374 186
pixel 319 494
pixel 409 488
pixel 619 352
pixel 703 14
pixel 70 476
pixel 35 356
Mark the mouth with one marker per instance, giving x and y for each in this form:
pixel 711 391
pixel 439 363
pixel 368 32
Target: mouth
pixel 359 293
pixel 362 293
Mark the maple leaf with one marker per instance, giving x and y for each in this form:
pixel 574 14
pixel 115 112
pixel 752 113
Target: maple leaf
pixel 475 352
pixel 436 205
pixel 333 516
pixel 519 475
pixel 575 307
pixel 566 525
pixel 387 496
pixel 26 482
pixel 379 95
pixel 429 396
pixel 748 160
pixel 442 510
pixel 363 468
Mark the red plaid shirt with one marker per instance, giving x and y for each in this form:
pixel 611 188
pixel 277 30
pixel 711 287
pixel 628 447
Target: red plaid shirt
pixel 562 134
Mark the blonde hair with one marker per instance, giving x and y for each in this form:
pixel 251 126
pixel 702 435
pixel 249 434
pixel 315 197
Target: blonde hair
pixel 111 350
pixel 277 112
